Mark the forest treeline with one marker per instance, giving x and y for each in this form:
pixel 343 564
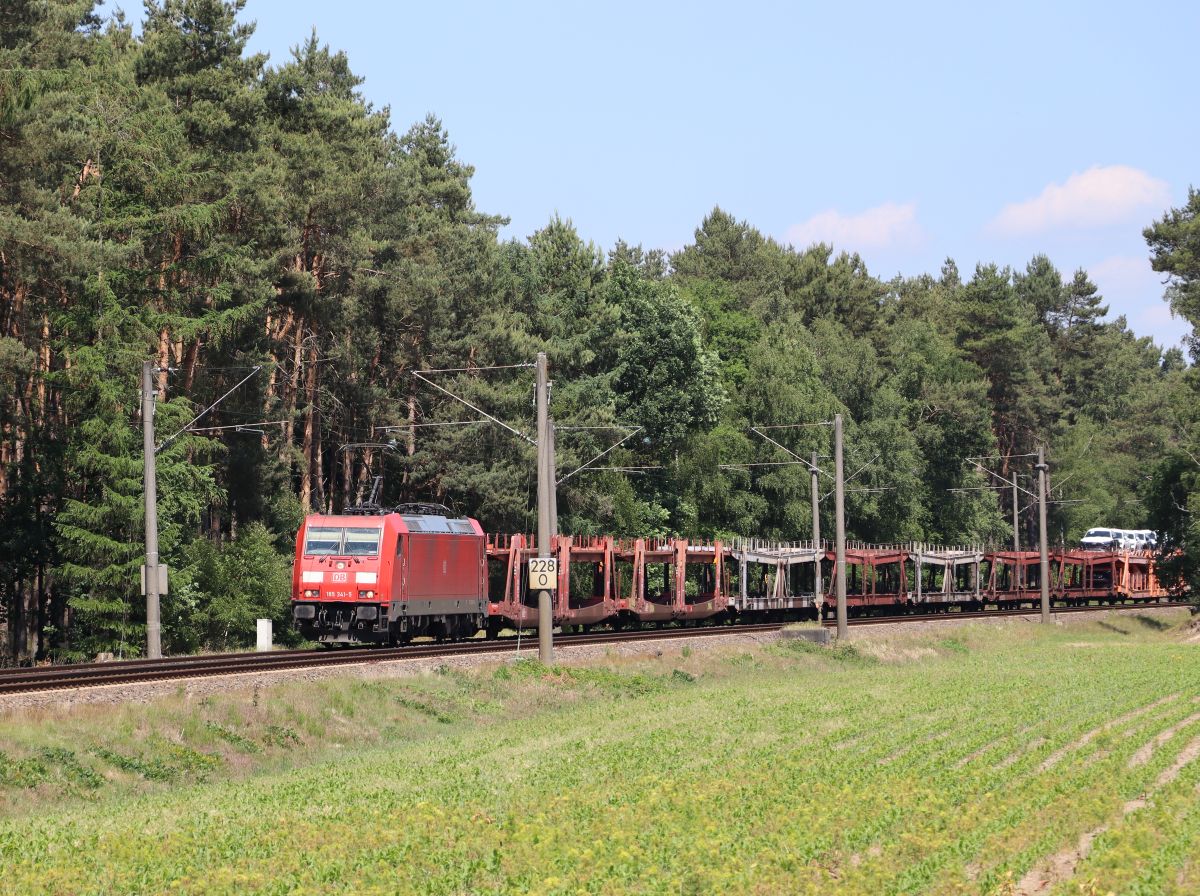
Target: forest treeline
pixel 168 195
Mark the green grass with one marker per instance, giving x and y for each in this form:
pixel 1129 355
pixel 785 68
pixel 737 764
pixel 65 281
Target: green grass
pixel 940 763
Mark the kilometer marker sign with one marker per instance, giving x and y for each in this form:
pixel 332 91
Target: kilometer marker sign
pixel 543 574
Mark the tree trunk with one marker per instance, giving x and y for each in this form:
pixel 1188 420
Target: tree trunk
pixel 164 361
pixel 310 409
pixel 410 439
pixel 277 333
pixel 44 611
pixel 363 476
pixel 292 385
pixel 23 626
pixel 44 360
pixel 322 500
pixel 189 366
pixel 347 472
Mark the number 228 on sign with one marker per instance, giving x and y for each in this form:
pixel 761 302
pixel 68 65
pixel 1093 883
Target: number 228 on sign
pixel 543 574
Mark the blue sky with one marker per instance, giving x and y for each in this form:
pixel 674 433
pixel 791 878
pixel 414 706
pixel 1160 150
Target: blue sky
pixel 910 132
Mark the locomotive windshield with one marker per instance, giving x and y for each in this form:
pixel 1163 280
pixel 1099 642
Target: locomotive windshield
pixel 323 540
pixel 351 541
pixel 362 541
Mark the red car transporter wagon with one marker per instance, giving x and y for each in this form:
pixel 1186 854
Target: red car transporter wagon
pixel 383 576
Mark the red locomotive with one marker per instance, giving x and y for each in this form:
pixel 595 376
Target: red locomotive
pixel 383 576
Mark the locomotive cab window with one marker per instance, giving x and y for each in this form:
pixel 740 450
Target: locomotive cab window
pixel 362 542
pixel 323 540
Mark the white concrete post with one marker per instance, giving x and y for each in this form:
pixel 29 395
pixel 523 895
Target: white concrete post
pixel 264 635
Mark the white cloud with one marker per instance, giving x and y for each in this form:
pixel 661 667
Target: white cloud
pixel 1100 196
pixel 883 226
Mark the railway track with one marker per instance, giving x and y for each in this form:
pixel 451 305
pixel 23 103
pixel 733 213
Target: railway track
pixel 81 675
pixel 46 678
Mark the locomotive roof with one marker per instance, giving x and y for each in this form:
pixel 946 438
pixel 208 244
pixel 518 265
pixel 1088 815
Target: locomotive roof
pixel 432 523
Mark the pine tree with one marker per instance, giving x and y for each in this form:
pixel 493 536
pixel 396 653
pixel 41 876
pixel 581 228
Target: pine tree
pixel 1174 242
pixel 1040 287
pixel 998 331
pixel 1082 361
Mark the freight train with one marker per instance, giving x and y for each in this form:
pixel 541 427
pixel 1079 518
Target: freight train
pixel 384 576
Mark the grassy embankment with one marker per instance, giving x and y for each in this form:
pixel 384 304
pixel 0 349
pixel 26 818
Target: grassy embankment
pixel 954 762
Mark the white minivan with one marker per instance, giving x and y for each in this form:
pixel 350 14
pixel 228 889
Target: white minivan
pixel 1127 539
pixel 1101 539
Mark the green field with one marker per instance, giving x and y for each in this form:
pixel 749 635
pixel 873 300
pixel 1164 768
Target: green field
pixel 976 759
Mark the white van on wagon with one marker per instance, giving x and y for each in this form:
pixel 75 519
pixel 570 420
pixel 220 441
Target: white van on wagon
pixel 1106 538
pixel 1099 539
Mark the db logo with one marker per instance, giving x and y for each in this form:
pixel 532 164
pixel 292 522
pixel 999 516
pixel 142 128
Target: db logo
pixel 339 577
